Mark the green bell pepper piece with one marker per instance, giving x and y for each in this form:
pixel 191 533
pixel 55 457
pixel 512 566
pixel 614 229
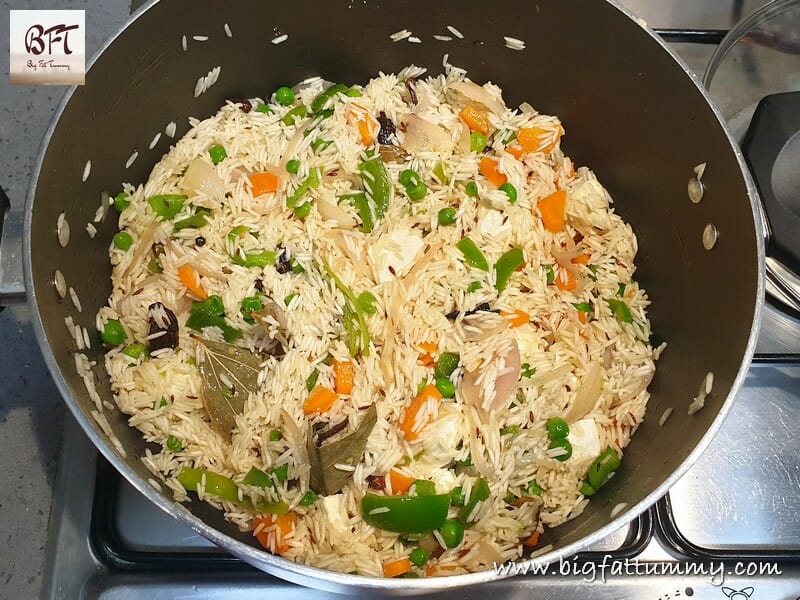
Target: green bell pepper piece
pixel 167 206
pixel 603 466
pixel 210 313
pixel 325 99
pixel 480 492
pixel 505 267
pixel 226 489
pixel 472 254
pixel 376 178
pixel 406 514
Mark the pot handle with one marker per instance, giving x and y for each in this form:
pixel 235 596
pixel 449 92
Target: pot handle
pixel 12 280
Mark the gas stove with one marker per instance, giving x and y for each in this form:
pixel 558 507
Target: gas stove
pixel 730 528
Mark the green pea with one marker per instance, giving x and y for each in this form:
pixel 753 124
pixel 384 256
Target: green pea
pixel 294 115
pixel 471 189
pixel 457 496
pixel 447 216
pixel 587 489
pixel 561 443
pixel 308 499
pixel 113 333
pixel 452 533
pixel 264 109
pixel 302 211
pixel 447 363
pixel 217 154
pixel 417 192
pixel 174 444
pixel 477 141
pixel 135 350
pixel 123 240
pixel 284 95
pixel 275 436
pixel 446 387
pixel 293 166
pixel 510 191
pixel 418 557
pixel 408 177
pixel 121 202
pixel 557 428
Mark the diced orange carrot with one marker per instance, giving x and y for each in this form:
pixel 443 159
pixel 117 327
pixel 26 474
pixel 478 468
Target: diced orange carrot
pixel 425 357
pixel 552 210
pixel 366 129
pixel 488 168
pixel 533 139
pixel 407 425
pixel 435 570
pixel 191 279
pixel 398 567
pixel 277 536
pixel 582 317
pixel 344 375
pixel 565 280
pixel 319 400
pixel 400 482
pixel 263 183
pixel 533 540
pixel 516 151
pixel 583 259
pixel 475 118
pixel 518 318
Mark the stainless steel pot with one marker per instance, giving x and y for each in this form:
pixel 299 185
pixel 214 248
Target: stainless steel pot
pixel 632 112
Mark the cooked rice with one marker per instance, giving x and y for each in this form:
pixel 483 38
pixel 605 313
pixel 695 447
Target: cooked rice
pixel 60 283
pixel 227 29
pixel 417 275
pixel 280 39
pixel 200 38
pixel 455 32
pixel 184 44
pixel 86 170
pixel 154 141
pixel 131 159
pixel 91 230
pixel 62 230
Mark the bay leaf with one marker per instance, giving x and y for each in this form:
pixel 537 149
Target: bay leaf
pixel 230 374
pixel 324 477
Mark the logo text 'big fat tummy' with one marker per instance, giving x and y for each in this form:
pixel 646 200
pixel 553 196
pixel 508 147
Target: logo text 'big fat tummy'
pixel 47 47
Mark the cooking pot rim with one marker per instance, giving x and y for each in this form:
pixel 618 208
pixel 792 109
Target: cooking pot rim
pixel 332 580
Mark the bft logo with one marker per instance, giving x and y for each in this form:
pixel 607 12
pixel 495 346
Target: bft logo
pixel 57 34
pixel 47 46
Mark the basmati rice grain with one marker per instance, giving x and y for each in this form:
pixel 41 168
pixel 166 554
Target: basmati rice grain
pixel 170 129
pixel 86 170
pixel 618 509
pixel 400 35
pixel 414 40
pixel 60 284
pixel 86 341
pixel 91 230
pixel 280 39
pixel 443 38
pixel 184 45
pixel 200 86
pixel 709 382
pixel 200 38
pixel 455 32
pixel 667 412
pixel 699 170
pixel 227 29
pixel 131 159
pixel 75 300
pixel 62 230
pixel 154 141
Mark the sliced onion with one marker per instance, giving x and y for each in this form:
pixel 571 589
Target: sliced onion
pixel 488 554
pixel 564 259
pixel 504 385
pixel 547 376
pixel 291 147
pixel 201 178
pixel 488 324
pixel 420 135
pixel 587 395
pixel 477 94
pixel 332 212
